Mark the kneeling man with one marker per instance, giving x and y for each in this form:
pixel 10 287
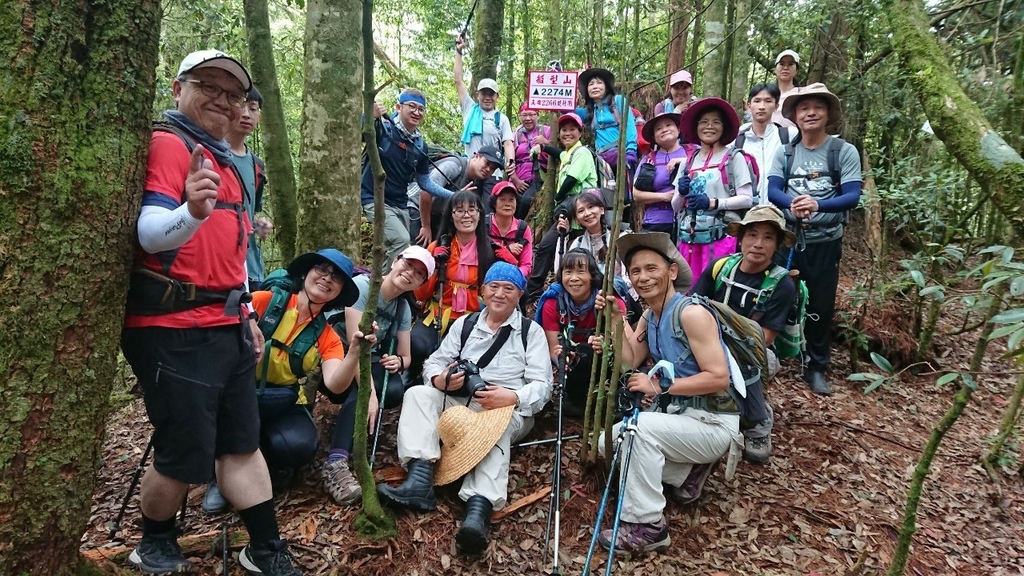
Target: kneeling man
pixel 513 383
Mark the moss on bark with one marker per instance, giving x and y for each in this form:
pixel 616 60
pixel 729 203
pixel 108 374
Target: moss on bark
pixel 75 102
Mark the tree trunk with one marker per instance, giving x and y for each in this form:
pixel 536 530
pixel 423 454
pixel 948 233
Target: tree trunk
pixel 330 211
pixel 829 57
pixel 75 106
pixel 716 74
pixel 739 56
pixel 956 119
pixel 277 149
pixel 487 37
pixel 698 36
pixel 373 521
pixel 553 31
pixel 679 16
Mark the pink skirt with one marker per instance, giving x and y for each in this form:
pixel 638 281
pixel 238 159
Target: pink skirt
pixel 699 256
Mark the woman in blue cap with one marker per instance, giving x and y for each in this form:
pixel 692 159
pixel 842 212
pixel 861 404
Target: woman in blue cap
pixel 319 282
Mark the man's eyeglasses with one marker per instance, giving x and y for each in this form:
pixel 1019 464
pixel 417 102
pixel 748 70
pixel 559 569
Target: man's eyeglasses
pixel 416 108
pixel 471 211
pixel 236 99
pixel 529 114
pixel 326 269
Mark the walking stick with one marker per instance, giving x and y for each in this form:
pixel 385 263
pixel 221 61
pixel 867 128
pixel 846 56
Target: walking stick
pixel 380 407
pixel 115 526
pixel 555 501
pixel 469 19
pixel 629 425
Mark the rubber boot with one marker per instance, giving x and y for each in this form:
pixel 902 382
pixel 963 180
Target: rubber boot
pixel 816 379
pixel 417 492
pixel 472 535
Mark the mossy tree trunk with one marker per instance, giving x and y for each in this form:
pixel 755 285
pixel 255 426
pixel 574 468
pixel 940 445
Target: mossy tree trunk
pixel 330 211
pixel 715 78
pixel 739 58
pixel 76 90
pixel 487 38
pixel 956 119
pixel 278 156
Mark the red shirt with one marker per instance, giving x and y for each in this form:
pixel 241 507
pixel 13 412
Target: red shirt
pixel 582 327
pixel 213 258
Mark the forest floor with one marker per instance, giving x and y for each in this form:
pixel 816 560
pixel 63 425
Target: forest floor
pixel 829 502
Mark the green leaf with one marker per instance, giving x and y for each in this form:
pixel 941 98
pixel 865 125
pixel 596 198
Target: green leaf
pixel 947 378
pixel 935 289
pixel 1009 316
pixel 881 362
pixel 1000 332
pixel 1017 286
pixel 918 277
pixel 1013 344
pixel 862 376
pixel 969 381
pixel 874 385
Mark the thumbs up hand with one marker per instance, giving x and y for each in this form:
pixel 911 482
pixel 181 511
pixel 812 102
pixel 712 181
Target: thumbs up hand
pixel 201 185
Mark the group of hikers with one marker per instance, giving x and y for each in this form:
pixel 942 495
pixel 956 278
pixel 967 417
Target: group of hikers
pixel 231 361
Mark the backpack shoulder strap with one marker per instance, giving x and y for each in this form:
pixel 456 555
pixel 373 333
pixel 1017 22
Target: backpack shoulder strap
pixel 526 331
pixel 788 150
pixel 497 122
pixel 832 159
pixel 521 232
pixel 741 139
pixel 783 133
pixel 723 267
pixel 467 328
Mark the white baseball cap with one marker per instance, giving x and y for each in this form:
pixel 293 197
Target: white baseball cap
pixel 790 53
pixel 487 84
pixel 216 59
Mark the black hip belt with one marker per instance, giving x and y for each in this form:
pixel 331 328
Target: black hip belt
pixel 151 293
pixel 716 403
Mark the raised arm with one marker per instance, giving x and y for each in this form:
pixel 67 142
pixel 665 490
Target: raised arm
pixel 460 80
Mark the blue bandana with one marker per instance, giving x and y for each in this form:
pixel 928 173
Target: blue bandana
pixel 404 98
pixel 505 272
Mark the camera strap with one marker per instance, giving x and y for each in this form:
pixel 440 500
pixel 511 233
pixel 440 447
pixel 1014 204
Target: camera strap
pixel 499 341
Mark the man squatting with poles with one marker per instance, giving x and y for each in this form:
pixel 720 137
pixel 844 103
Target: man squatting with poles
pixel 195 351
pixel 700 420
pixel 482 388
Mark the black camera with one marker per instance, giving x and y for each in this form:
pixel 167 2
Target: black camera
pixel 472 382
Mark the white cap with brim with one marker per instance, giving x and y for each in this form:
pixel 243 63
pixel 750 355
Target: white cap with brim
pixel 790 53
pixel 216 59
pixel 487 84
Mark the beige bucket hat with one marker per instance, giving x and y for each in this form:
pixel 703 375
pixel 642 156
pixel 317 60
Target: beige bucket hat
pixel 818 90
pixel 765 213
pixel 662 243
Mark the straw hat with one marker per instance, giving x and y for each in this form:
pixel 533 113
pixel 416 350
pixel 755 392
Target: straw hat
pixel 817 90
pixel 466 437
pixel 764 213
pixel 662 243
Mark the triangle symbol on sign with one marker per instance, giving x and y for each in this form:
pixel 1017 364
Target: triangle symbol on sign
pixel 536 92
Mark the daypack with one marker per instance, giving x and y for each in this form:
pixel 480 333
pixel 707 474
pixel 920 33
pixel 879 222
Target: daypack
pixel 615 113
pixel 791 342
pixel 392 136
pixel 436 152
pixel 520 233
pixel 705 227
pixel 471 320
pixel 832 167
pixel 741 138
pixel 282 285
pixel 543 129
pixel 742 337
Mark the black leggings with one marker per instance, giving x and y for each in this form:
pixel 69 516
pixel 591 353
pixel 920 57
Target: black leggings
pixel 288 436
pixel 345 422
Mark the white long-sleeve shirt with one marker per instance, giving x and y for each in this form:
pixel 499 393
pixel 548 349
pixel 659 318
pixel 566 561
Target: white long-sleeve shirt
pixel 763 150
pixel 526 372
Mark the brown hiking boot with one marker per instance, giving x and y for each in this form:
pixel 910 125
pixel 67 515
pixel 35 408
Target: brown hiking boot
pixel 340 483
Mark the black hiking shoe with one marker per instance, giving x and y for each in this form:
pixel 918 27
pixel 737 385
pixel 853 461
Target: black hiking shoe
pixel 817 382
pixel 160 554
pixel 271 558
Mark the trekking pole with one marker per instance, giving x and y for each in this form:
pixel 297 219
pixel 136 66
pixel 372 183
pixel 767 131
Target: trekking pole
pixel 469 19
pixel 380 407
pixel 630 422
pixel 115 526
pixel 546 441
pixel 631 428
pixel 555 501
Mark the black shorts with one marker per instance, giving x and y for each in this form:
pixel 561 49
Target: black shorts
pixel 200 393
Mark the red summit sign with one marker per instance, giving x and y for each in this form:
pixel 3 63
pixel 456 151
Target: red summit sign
pixel 548 90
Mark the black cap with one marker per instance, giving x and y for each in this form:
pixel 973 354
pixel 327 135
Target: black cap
pixel 490 153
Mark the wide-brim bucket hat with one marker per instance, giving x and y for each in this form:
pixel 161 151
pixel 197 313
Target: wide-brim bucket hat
pixel 662 243
pixel 764 213
pixel 688 124
pixel 466 438
pixel 301 265
pixel 648 129
pixel 590 73
pixel 816 90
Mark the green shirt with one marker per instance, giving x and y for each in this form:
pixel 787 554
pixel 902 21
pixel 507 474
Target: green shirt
pixel 577 162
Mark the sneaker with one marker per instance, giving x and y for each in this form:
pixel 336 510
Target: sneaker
pixel 693 486
pixel 159 554
pixel 213 500
pixel 638 537
pixel 340 483
pixel 757 450
pixel 272 559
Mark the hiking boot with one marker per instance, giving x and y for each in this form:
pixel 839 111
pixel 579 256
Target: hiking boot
pixel 159 554
pixel 416 492
pixel 637 537
pixel 213 501
pixel 693 486
pixel 816 379
pixel 472 535
pixel 271 558
pixel 340 483
pixel 757 450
